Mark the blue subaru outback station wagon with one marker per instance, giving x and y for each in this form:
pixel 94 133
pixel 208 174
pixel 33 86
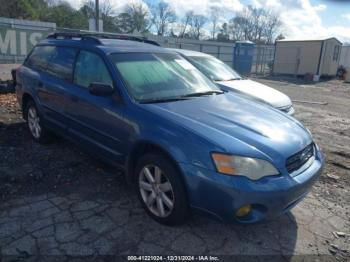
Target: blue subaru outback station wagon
pixel 184 143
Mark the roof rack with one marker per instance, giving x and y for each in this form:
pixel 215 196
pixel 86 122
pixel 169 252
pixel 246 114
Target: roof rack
pixel 95 37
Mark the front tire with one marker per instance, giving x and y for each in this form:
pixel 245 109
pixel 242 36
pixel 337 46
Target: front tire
pixel 161 190
pixel 34 122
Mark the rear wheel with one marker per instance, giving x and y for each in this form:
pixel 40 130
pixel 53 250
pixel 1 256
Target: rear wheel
pixel 161 190
pixel 38 132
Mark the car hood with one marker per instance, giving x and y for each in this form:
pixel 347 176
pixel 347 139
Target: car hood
pixel 267 94
pixel 229 120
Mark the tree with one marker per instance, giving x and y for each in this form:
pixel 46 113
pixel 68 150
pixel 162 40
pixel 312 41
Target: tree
pixel 105 8
pixel 139 15
pixel 223 36
pixel 124 23
pixel 243 23
pixel 273 25
pixel 106 11
pixel 65 16
pixel 280 37
pixel 172 33
pixel 25 9
pixel 185 23
pixel 214 18
pixel 255 24
pixel 197 24
pixel 236 28
pixel 162 16
pixel 258 17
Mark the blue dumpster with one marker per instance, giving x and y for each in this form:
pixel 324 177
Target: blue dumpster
pixel 243 56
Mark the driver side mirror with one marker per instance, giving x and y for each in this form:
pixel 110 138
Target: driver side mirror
pixel 100 89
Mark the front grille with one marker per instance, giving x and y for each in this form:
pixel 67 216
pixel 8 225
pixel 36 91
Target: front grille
pixel 297 160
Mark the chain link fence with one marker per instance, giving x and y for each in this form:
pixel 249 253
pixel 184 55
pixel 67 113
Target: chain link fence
pixel 263 60
pixel 222 51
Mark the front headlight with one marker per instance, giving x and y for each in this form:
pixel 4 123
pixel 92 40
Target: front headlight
pixel 252 168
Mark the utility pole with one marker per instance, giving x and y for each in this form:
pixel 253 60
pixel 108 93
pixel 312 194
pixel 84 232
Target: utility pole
pixel 97 16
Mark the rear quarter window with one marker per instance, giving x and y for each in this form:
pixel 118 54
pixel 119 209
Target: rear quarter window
pixel 61 62
pixel 39 58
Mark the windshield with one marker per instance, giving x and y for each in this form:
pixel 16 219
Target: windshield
pixel 161 76
pixel 214 68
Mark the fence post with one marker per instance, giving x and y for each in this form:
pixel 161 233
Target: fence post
pixel 273 61
pixel 257 59
pixel 262 64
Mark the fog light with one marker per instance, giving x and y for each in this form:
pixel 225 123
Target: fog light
pixel 243 211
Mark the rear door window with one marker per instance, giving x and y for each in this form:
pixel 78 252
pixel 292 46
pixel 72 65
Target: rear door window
pixel 90 68
pixel 61 62
pixel 40 57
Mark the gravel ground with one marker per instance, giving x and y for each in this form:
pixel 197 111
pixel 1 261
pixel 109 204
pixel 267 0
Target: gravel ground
pixel 57 200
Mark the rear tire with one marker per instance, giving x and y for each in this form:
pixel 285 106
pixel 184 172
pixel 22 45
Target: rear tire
pixel 35 126
pixel 161 190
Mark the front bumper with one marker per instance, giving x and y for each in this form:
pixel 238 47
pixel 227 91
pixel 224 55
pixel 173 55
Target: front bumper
pixel 222 195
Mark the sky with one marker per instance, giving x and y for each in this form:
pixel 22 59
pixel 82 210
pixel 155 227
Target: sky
pixel 302 19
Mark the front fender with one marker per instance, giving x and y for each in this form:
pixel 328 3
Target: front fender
pixel 179 145
pixel 182 145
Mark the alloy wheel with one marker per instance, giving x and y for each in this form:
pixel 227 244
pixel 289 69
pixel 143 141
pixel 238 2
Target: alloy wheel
pixel 156 191
pixel 34 122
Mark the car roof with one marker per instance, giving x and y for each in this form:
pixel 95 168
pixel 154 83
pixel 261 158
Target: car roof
pixel 108 45
pixel 186 52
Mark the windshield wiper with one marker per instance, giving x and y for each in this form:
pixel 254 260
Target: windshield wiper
pixel 230 79
pixel 161 100
pixel 203 93
pixel 178 98
pixel 235 78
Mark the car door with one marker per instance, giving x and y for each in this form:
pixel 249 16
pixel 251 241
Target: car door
pixel 35 76
pixel 55 89
pixel 96 120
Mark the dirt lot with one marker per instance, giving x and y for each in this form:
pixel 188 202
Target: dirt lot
pixel 57 200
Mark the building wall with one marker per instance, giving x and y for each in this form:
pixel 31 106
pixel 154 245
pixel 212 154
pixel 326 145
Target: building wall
pixel 309 57
pixel 17 37
pixel 285 61
pixel 330 58
pixel 345 56
pixel 297 57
